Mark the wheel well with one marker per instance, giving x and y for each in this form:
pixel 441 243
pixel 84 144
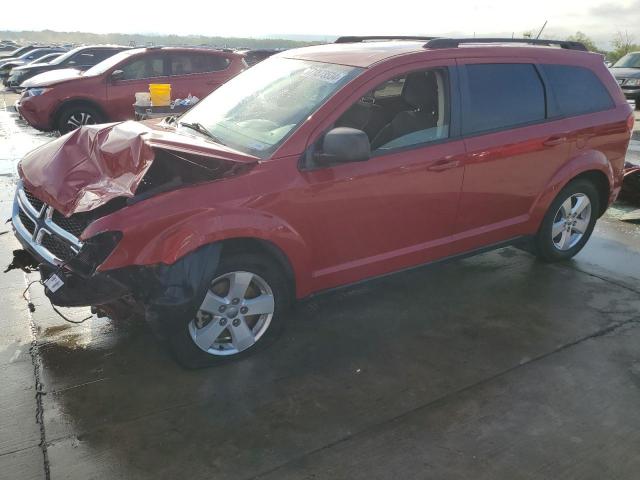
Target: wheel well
pixel 75 103
pixel 601 182
pixel 263 247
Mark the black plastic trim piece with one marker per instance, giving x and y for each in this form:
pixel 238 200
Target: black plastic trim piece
pixel 358 39
pixel 438 43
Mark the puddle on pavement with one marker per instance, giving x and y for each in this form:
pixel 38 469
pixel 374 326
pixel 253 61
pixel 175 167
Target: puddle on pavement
pixel 17 138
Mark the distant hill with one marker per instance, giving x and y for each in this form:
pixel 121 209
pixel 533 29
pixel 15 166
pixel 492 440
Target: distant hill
pixel 50 36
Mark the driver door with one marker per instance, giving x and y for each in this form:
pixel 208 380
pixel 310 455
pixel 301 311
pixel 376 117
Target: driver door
pixel 138 73
pixel 398 208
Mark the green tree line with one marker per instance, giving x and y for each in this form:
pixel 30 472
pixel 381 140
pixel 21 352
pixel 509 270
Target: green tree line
pixel 622 43
pixel 50 36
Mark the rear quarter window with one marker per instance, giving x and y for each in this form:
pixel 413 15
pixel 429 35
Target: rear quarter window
pixel 502 96
pixel 576 91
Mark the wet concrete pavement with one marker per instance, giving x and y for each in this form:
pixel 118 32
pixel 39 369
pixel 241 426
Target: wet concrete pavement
pixel 496 366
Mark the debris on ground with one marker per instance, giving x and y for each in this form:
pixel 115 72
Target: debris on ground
pixel 631 183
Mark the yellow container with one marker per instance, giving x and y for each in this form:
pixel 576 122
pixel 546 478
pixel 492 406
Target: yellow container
pixel 160 94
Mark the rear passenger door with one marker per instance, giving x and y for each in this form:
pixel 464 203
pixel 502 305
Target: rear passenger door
pixel 512 151
pixel 138 73
pixel 196 73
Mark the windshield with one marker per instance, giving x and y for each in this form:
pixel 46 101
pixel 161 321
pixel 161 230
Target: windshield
pixel 112 61
pixel 68 54
pixel 255 111
pixel 630 60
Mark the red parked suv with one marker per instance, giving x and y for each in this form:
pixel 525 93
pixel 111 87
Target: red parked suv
pixel 318 168
pixel 66 99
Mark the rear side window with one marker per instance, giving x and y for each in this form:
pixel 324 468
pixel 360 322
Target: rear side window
pixel 502 96
pixel 188 64
pixel 577 90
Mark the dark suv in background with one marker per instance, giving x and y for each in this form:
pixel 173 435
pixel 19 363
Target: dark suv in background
pixel 81 58
pixel 627 73
pixel 30 56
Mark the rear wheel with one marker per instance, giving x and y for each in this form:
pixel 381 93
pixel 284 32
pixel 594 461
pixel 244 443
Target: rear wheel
pixel 242 310
pixel 76 116
pixel 569 222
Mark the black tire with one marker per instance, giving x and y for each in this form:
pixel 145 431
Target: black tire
pixel 543 243
pixel 182 345
pixel 637 104
pixel 76 115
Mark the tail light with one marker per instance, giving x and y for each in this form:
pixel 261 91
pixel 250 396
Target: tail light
pixel 631 120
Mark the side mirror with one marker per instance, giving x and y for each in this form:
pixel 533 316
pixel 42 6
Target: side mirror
pixel 117 75
pixel 343 145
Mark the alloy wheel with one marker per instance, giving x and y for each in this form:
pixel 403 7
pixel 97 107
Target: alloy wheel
pixel 234 314
pixel 78 119
pixel 571 221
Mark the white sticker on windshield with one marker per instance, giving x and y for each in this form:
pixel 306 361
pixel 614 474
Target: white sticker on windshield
pixel 323 74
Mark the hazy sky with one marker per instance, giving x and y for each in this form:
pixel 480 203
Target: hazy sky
pixel 599 19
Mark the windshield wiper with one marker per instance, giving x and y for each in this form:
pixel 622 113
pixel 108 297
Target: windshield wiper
pixel 198 127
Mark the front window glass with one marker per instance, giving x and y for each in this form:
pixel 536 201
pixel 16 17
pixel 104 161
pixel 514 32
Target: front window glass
pixel 255 111
pixel 630 60
pixel 406 111
pixel 145 67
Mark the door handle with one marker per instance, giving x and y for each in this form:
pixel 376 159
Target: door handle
pixel 444 164
pixel 555 140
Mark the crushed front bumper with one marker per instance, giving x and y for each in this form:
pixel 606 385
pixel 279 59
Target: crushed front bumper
pixel 53 248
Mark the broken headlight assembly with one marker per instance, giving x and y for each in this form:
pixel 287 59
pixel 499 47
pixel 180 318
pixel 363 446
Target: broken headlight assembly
pixel 94 251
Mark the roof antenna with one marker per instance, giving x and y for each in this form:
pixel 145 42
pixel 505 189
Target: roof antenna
pixel 540 32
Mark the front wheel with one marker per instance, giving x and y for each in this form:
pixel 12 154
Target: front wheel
pixel 569 222
pixel 242 310
pixel 76 116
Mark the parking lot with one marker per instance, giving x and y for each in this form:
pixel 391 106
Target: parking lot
pixel 495 366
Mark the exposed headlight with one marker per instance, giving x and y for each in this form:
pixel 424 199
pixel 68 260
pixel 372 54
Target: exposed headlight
pixel 632 82
pixel 34 92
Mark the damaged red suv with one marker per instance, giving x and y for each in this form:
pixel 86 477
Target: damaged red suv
pixel 318 168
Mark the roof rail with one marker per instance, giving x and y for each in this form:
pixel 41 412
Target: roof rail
pixel 455 42
pixel 357 39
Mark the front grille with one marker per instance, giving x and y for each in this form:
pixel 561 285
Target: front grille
pixel 74 224
pixel 35 203
pixel 57 247
pixel 50 234
pixel 27 222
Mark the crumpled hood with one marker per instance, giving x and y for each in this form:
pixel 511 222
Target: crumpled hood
pixel 94 164
pixel 625 72
pixel 52 77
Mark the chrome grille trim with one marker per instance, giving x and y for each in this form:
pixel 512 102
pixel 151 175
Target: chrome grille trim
pixel 44 225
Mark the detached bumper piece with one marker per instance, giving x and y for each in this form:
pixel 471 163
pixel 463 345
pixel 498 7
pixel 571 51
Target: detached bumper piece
pixel 79 291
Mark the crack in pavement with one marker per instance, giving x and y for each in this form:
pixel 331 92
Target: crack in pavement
pixel 449 396
pixel 34 351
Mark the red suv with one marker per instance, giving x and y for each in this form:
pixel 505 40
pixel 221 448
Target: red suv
pixel 318 168
pixel 66 99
